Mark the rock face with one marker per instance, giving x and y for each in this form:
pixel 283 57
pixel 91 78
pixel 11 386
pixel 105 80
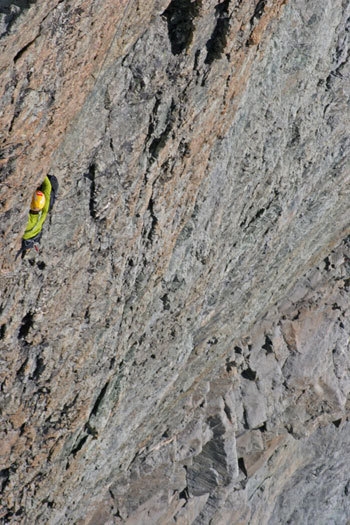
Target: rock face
pixel 178 351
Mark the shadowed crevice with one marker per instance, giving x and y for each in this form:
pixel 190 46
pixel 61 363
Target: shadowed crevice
pixel 10 10
pixel 91 176
pixel 180 15
pixel 26 325
pixel 217 43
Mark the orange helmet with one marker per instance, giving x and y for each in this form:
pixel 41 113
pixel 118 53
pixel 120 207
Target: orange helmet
pixel 38 201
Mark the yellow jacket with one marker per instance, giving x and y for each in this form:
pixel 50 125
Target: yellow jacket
pixel 36 220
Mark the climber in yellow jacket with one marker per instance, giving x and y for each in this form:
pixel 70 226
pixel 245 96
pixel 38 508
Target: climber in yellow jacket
pixel 39 208
pixel 41 204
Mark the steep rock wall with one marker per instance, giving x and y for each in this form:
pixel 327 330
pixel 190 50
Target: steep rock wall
pixel 174 352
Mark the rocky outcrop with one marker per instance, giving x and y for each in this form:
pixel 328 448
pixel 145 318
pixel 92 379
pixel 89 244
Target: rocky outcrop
pixel 268 439
pixel 178 350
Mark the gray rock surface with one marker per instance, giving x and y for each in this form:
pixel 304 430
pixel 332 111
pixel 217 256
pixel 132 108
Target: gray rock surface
pixel 178 351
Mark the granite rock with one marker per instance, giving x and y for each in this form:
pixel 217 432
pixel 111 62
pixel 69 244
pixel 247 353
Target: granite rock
pixel 178 350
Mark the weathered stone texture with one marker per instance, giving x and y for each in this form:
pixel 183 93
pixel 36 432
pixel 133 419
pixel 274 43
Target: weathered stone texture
pixel 178 351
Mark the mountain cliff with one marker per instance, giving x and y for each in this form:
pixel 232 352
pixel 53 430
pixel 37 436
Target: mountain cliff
pixel 178 350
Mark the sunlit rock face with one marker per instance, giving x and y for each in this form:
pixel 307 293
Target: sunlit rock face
pixel 177 352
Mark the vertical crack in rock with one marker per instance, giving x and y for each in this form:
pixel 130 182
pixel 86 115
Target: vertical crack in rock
pixel 78 446
pixel 180 15
pixel 154 220
pixel 5 476
pixel 241 466
pixel 99 400
pixel 259 10
pixel 217 42
pixel 91 176
pixel 26 325
pixel 2 331
pixel 39 369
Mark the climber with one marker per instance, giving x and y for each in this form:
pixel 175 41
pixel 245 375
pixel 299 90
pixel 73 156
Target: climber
pixel 42 203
